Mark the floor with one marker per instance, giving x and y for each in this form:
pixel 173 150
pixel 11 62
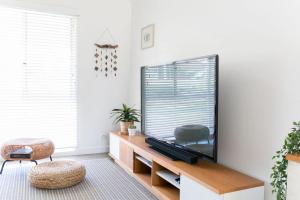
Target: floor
pixel 104 180
pixel 78 157
pixel 83 157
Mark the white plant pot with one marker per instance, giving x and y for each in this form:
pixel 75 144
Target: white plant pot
pixel 131 131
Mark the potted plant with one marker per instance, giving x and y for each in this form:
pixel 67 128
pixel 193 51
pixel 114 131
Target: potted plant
pixel 126 116
pixel 279 171
pixel 131 130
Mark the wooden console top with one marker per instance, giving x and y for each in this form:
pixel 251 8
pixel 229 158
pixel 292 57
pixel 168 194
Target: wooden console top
pixel 293 157
pixel 215 177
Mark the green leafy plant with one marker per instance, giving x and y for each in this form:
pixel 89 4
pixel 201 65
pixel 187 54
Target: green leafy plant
pixel 279 174
pixel 125 114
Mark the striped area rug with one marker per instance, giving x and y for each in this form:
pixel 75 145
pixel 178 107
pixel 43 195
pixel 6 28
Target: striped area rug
pixel 104 181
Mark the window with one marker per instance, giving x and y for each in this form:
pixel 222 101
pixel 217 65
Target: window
pixel 38 76
pixel 178 94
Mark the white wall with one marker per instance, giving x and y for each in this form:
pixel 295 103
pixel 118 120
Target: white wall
pixel 96 95
pixel 258 42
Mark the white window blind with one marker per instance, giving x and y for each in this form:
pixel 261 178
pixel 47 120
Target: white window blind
pixel 182 93
pixel 38 76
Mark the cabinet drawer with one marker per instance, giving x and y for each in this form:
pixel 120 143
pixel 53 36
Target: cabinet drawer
pixel 191 190
pixel 126 155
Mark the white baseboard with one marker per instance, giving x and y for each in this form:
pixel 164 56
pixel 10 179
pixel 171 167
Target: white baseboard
pixel 80 151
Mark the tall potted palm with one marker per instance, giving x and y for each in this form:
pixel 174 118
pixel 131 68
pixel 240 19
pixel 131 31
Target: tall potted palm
pixel 126 116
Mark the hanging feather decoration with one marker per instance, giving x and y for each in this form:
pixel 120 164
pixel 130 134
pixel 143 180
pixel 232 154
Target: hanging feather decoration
pixel 106 57
pixel 106 61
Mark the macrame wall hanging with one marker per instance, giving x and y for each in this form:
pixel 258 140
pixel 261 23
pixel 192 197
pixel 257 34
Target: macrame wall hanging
pixel 106 55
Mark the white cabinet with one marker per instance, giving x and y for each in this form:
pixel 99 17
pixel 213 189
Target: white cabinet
pixel 114 146
pixel 256 193
pixel 293 171
pixel 192 190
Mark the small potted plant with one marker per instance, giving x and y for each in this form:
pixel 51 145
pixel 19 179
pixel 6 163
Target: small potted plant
pixel 131 130
pixel 126 116
pixel 279 170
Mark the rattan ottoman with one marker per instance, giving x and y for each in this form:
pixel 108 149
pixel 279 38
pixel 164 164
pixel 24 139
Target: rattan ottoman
pixel 57 174
pixel 41 148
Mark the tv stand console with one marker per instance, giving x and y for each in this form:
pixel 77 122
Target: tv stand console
pixel 177 180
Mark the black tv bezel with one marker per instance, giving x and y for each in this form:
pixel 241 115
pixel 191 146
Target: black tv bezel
pixel 203 156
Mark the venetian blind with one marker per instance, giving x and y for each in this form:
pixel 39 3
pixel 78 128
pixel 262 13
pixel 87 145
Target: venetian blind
pixel 38 76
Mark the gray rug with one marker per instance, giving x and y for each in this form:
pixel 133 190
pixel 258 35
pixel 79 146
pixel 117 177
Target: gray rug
pixel 104 181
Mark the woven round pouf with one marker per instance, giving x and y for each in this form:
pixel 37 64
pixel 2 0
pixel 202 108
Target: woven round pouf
pixel 57 174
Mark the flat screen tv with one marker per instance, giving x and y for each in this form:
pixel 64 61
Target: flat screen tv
pixel 179 104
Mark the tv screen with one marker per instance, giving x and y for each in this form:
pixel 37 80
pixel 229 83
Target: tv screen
pixel 180 104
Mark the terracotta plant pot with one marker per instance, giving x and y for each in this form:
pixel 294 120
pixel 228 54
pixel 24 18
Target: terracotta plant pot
pixel 124 126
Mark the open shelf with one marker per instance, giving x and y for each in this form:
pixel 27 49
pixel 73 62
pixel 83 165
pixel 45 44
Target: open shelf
pixel 170 193
pixel 145 179
pixel 169 177
pixel 142 170
pixel 164 183
pixel 144 160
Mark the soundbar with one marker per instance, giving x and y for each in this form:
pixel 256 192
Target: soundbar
pixel 172 150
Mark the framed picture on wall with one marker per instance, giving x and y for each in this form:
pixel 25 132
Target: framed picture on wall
pixel 147 36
